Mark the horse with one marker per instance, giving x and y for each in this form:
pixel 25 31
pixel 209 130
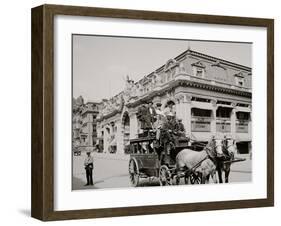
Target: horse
pixel 229 148
pixel 207 169
pixel 204 161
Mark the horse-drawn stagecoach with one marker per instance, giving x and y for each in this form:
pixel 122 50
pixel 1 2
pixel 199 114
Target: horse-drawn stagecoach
pixel 149 160
pixel 169 165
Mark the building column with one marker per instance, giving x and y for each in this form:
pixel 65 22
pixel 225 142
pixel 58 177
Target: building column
pixel 214 117
pixel 133 125
pixel 178 107
pixel 250 124
pixel 119 138
pixel 99 133
pixel 183 109
pixel 233 121
pixel 105 141
pixel 90 133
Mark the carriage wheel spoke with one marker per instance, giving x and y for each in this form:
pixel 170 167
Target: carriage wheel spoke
pixel 195 179
pixel 165 176
pixel 133 172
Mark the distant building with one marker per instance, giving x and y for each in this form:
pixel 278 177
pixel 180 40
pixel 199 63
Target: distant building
pixel 84 124
pixel 212 96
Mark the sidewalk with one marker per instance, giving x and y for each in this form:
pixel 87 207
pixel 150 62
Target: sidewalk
pixel 243 166
pixel 109 171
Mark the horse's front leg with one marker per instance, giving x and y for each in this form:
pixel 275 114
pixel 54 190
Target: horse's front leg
pixel 226 173
pixel 207 179
pixel 203 178
pixel 214 177
pixel 219 169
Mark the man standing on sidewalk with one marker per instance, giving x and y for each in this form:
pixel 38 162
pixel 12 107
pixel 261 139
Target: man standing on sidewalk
pixel 89 166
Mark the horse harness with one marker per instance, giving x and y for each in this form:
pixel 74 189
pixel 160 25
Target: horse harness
pixel 209 156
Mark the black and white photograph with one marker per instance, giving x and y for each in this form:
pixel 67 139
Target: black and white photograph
pixel 121 113
pixel 160 112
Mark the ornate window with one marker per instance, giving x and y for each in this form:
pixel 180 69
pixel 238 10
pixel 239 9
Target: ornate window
pixel 199 69
pixel 239 79
pixel 199 72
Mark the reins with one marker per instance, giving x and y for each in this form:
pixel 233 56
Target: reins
pixel 207 150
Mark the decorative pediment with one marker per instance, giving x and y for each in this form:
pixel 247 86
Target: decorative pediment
pixel 240 74
pixel 218 64
pixel 199 64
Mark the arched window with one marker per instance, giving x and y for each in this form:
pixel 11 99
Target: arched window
pixel 199 69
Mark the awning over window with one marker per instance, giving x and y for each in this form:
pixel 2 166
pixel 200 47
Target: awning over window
pixel 243 109
pixel 224 106
pixel 201 105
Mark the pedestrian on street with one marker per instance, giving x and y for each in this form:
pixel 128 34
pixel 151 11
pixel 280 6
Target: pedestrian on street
pixel 89 166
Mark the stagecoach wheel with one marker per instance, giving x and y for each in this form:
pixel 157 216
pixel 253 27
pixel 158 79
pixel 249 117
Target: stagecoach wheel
pixel 195 178
pixel 134 172
pixel 165 176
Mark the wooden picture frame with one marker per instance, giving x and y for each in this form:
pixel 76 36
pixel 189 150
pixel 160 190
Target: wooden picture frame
pixel 42 203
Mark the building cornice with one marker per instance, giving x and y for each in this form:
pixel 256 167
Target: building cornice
pixel 109 115
pixel 89 111
pixel 186 83
pixel 215 59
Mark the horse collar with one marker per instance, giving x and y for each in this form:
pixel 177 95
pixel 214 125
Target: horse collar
pixel 212 158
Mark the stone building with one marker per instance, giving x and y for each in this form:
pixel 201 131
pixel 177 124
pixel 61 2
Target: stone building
pixel 212 96
pixel 84 124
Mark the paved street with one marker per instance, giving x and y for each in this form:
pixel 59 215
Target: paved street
pixel 111 171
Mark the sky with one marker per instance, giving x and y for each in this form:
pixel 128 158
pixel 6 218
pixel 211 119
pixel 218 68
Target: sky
pixel 101 63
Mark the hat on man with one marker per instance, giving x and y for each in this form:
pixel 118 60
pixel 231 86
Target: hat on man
pixel 170 114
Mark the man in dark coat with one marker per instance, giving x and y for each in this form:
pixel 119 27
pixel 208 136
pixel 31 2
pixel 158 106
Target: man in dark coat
pixel 151 113
pixel 168 129
pixel 89 166
pixel 180 128
pixel 147 116
pixel 144 118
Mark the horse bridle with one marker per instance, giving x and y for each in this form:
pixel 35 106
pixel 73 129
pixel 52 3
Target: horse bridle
pixel 227 147
pixel 209 151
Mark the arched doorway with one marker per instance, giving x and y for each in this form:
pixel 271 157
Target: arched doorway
pixel 126 131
